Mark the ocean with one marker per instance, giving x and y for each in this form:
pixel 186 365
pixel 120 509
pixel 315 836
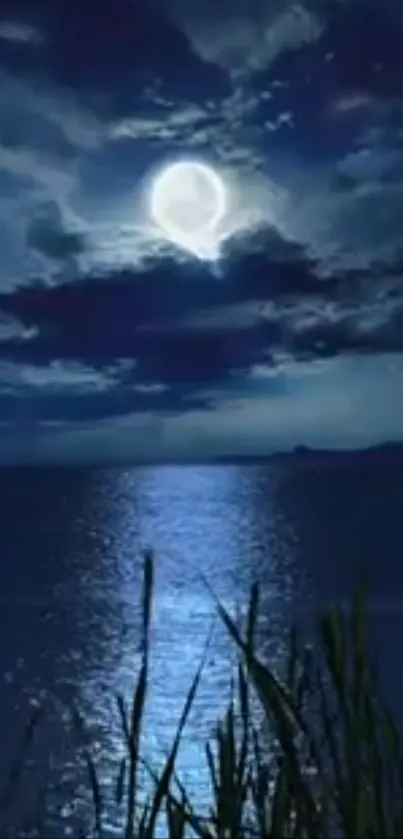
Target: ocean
pixel 308 528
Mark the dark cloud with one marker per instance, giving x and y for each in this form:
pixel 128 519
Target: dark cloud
pixel 47 234
pixel 357 57
pixel 110 51
pixel 25 128
pixel 185 332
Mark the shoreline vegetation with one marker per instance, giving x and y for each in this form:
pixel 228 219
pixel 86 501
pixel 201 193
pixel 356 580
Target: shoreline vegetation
pixel 322 757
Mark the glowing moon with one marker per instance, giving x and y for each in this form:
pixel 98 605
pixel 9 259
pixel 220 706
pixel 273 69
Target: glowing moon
pixel 188 201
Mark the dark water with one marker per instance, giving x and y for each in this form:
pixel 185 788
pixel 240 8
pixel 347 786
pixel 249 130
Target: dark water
pixel 70 582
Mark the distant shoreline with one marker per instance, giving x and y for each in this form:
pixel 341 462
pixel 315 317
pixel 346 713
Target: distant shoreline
pixel 300 455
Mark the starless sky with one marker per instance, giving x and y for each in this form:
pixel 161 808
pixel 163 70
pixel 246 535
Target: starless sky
pixel 115 345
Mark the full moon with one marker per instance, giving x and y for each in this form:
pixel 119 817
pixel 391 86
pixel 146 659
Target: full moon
pixel 188 201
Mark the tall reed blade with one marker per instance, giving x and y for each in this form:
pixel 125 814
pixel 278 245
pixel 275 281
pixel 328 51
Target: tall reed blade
pixel 132 722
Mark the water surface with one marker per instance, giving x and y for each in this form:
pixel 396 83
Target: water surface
pixel 71 577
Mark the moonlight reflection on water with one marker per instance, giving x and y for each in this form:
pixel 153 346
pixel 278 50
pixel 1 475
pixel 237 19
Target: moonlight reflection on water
pixel 75 617
pixel 191 518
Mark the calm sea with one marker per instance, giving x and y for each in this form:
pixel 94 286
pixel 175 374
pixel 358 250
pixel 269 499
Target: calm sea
pixel 70 579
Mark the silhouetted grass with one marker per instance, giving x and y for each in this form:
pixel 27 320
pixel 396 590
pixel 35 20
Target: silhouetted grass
pixel 324 758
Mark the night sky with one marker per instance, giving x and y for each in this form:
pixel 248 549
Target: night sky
pixel 118 345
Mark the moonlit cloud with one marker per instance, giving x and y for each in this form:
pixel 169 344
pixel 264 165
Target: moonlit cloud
pixel 247 34
pixel 19 31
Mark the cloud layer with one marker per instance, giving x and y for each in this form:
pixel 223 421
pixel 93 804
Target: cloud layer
pixel 102 323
